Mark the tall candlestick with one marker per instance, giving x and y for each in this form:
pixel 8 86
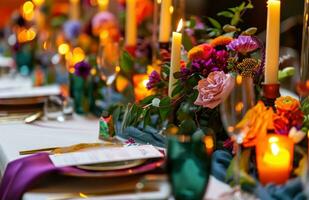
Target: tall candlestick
pixel 131 26
pixel 74 9
pixel 272 42
pixel 103 5
pixel 175 57
pixel 165 21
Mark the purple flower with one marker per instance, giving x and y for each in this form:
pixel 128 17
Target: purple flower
pixel 154 78
pixel 72 29
pixel 82 69
pixel 243 44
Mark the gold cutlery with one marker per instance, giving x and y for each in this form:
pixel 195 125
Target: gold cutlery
pixel 33 117
pixel 72 148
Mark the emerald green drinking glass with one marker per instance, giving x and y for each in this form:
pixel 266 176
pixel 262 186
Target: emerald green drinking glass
pixel 188 165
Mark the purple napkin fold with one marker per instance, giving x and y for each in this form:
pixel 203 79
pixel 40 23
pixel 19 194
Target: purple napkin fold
pixel 21 174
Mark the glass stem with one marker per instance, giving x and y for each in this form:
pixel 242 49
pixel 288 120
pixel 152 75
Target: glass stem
pixel 109 95
pixel 237 165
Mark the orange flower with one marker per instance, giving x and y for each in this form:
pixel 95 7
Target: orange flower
pixel 202 51
pixel 287 104
pixel 255 124
pixel 221 41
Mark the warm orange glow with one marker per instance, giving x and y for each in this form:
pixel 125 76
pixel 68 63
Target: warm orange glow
pixel 273 139
pixel 103 4
pixel 104 36
pixel 159 1
pixel 28 10
pixel 239 106
pixel 63 48
pixel 78 55
pixel 238 80
pixel 140 91
pixel 171 9
pixel 28 7
pixel 72 70
pixel 26 35
pixel 153 67
pixel 93 71
pixel 230 129
pixel 274 158
pixel 38 2
pixel 82 195
pixel 121 83
pixel 209 144
pixel 117 69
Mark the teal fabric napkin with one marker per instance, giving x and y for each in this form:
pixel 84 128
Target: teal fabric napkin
pixel 147 135
pixel 292 190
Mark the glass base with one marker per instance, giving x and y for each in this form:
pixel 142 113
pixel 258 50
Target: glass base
pixel 237 194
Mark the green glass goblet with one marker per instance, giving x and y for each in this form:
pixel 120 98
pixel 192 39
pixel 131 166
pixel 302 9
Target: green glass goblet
pixel 188 165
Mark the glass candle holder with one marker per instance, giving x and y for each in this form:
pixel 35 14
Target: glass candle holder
pixel 274 156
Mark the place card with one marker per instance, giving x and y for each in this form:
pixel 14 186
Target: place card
pixel 105 155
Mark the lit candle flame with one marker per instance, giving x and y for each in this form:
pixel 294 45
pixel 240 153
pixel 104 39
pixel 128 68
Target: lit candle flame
pixel 180 24
pixel 275 149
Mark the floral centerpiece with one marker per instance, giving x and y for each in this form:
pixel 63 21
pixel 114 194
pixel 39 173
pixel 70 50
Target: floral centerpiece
pixel 206 77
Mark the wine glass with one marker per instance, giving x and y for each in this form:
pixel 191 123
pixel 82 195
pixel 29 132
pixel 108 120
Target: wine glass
pixel 232 111
pixel 108 62
pixel 188 164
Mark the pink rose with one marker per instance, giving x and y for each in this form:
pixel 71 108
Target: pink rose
pixel 214 89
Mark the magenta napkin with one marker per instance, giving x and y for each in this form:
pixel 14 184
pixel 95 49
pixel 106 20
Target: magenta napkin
pixel 22 174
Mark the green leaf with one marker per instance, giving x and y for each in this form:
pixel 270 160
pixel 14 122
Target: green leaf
pixel 235 20
pixel 186 41
pixel 126 117
pixel 241 7
pixel 165 108
pixel 227 14
pixel 250 31
pixel 215 23
pixel 147 100
pixel 187 127
pixel 249 6
pixel 147 119
pixel 126 62
pixel 192 23
pixel 229 28
pixel 286 72
pixel 177 90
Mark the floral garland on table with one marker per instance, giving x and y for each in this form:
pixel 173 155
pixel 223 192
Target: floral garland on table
pixel 206 77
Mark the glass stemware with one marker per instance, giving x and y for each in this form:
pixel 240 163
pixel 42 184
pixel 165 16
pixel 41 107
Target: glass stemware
pixel 108 62
pixel 233 109
pixel 188 165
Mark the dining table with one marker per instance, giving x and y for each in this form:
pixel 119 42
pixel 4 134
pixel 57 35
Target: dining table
pixel 16 136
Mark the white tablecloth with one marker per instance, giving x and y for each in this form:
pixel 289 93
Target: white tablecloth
pixel 15 137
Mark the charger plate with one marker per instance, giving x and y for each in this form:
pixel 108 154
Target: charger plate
pixel 112 165
pixel 149 165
